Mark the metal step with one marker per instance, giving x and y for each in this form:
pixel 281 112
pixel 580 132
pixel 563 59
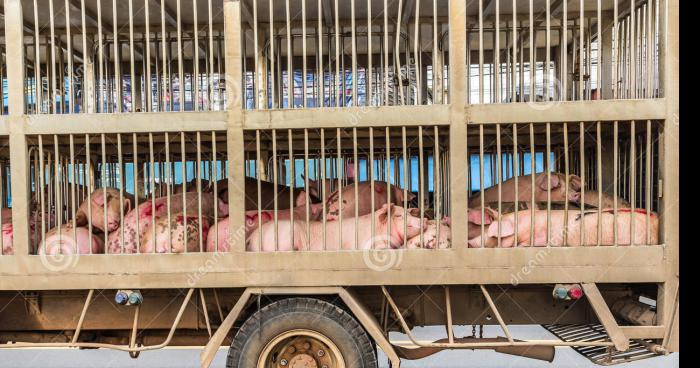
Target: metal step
pixel 606 355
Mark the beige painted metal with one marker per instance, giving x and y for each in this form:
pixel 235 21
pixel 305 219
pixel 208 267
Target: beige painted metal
pixel 605 316
pixel 491 344
pixel 417 267
pixel 128 348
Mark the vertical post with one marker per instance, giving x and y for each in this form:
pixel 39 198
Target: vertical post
pixel 18 143
pixel 605 51
pixel 458 120
pixel 669 82
pixel 236 158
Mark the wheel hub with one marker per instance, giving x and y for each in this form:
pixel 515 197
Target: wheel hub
pixel 303 361
pixel 301 349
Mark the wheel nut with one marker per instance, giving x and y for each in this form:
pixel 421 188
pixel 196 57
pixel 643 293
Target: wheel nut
pixel 307 346
pixel 321 353
pixel 283 362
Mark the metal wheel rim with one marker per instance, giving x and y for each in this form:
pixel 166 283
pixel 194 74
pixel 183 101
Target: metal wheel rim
pixel 282 341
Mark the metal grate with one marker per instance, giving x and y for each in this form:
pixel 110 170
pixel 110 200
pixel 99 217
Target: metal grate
pixel 606 355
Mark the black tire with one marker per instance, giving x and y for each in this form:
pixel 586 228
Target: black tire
pixel 329 320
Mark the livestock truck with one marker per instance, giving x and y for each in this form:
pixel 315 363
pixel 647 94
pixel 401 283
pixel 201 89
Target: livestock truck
pixel 300 180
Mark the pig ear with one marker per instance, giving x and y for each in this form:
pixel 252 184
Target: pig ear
pixel 98 199
pixel 249 219
pixel 575 182
pixel 301 198
pixel 414 212
pixel 127 205
pixel 475 215
pixel 507 228
pixel 447 220
pixel 411 196
pixel 383 213
pixel 490 215
pixel 554 181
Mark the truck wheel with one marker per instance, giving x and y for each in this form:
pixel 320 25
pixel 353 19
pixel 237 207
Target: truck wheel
pixel 301 333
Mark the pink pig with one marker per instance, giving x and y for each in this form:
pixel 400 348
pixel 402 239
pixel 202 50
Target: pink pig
pixel 569 233
pixel 103 199
pixel 556 185
pixel 144 216
pixel 7 238
pixel 82 243
pixel 392 213
pixel 181 226
pixel 364 202
pixel 430 236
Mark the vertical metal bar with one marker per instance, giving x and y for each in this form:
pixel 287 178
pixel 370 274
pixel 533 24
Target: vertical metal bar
pixel 337 57
pixel 546 68
pixel 275 173
pixel 549 181
pixel 416 54
pixel 448 308
pixel 515 64
pixel 153 193
pixel 481 179
pixel 215 180
pixel 582 162
pixel 339 164
pixel 322 182
pixel 37 59
pixel 397 54
pixel 356 186
pixel 497 56
pixel 57 189
pixel 370 54
pixel 599 175
pixel 259 185
pixel 353 49
pixel 180 67
pixel 405 178
pixel 184 192
pixel 306 186
pixel 388 179
pixel 499 176
pixel 257 79
pixel 648 188
pixel 199 182
pixel 533 62
pixel 371 182
pixel 53 57
pixel 136 188
pixel 211 51
pixel 103 184
pixel 292 180
pixel 117 58
pixel 303 50
pixel 195 80
pixel 633 177
pixel 290 56
pixel 516 176
pixel 566 188
pixel 481 58
pixel 532 183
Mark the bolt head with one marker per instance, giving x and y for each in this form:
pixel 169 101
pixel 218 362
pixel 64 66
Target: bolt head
pixel 283 362
pixel 321 353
